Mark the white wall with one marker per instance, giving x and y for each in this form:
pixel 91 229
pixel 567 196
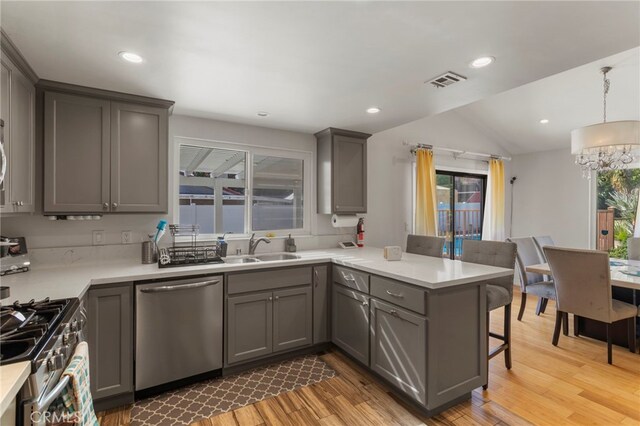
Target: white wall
pixel 390 197
pixel 552 198
pixel 43 233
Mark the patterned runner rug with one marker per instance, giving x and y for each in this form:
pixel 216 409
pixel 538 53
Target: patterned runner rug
pixel 205 399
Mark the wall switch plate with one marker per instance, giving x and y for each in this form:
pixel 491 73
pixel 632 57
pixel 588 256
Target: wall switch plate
pixel 127 237
pixel 99 238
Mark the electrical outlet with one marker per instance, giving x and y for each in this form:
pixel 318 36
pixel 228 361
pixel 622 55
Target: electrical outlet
pixel 127 237
pixel 98 238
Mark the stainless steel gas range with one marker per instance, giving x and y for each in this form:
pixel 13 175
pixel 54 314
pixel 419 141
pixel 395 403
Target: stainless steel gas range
pixel 46 334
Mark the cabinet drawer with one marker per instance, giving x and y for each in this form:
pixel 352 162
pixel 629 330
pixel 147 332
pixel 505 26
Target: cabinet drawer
pixel 400 294
pixel 267 280
pixel 350 278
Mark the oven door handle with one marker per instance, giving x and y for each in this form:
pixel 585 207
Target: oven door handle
pixel 43 403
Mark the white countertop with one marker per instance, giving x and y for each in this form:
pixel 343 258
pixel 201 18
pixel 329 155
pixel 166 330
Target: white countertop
pixel 12 376
pixel 64 281
pixel 73 280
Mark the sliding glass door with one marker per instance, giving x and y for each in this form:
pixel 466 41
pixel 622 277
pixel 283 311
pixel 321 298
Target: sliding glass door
pixel 460 198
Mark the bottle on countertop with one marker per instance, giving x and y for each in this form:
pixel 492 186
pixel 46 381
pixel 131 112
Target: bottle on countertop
pixel 222 246
pixel 360 232
pixel 290 245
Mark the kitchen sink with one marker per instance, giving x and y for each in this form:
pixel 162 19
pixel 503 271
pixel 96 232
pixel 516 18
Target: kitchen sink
pixel 241 260
pixel 279 256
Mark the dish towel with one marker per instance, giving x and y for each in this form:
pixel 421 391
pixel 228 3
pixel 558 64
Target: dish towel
pixel 75 400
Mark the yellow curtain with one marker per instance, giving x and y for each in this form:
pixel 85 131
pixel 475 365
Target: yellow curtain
pixel 426 206
pixel 493 223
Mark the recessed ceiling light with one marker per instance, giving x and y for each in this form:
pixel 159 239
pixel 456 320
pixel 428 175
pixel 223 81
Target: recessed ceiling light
pixel 373 110
pixel 262 113
pixel 482 62
pixel 544 121
pixel 131 57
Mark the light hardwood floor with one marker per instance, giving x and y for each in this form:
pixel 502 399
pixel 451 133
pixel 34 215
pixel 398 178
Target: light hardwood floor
pixel 568 384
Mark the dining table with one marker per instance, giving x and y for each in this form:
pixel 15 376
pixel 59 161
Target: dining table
pixel 625 286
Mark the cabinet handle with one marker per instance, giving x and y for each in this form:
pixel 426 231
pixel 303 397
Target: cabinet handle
pixel 400 296
pixel 114 205
pixel 277 297
pixel 365 304
pixel 394 312
pixel 105 206
pixel 21 203
pixel 270 298
pixel 315 277
pixel 349 278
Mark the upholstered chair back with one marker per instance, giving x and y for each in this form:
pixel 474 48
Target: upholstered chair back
pixel 582 279
pixel 426 246
pixel 492 253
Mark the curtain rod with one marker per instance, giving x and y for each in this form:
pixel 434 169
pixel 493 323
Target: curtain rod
pixel 457 153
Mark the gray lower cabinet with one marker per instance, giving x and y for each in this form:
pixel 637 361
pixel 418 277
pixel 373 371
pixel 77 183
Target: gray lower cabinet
pixel 399 348
pixel 292 318
pixel 249 326
pixel 259 324
pixel 350 322
pixel 321 296
pixel 110 338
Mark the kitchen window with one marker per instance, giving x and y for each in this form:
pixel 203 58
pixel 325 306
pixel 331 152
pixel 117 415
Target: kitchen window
pixel 230 188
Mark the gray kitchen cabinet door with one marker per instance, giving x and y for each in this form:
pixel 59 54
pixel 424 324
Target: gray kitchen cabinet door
pixel 139 151
pixel 22 141
pixel 399 348
pixel 76 153
pixel 5 88
pixel 321 304
pixel 349 174
pixel 292 318
pixel 350 322
pixel 249 326
pixel 110 338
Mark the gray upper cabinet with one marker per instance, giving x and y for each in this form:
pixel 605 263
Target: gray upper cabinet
pixel 104 152
pixel 321 296
pixel 17 110
pixel 249 326
pixel 399 348
pixel 110 338
pixel 292 319
pixel 342 171
pixel 138 158
pixel 76 151
pixel 350 322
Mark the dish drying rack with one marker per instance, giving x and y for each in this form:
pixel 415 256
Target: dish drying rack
pixel 188 252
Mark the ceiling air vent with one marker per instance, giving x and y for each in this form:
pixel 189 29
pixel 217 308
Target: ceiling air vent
pixel 446 79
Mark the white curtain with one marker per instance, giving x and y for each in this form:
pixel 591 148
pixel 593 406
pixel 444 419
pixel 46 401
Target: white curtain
pixel 493 223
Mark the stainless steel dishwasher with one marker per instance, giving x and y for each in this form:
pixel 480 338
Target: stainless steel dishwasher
pixel 178 330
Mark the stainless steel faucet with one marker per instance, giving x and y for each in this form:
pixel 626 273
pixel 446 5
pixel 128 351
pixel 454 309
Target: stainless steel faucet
pixel 253 243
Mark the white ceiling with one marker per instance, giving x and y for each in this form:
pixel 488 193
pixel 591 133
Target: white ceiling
pixel 315 64
pixel 568 100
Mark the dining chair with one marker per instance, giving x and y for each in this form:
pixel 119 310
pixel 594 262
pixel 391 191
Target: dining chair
pixel 531 283
pixel 541 242
pixel 424 245
pixel 633 248
pixel 583 288
pixel 499 290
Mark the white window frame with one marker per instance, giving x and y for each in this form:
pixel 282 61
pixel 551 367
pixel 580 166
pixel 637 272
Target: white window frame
pixel 250 151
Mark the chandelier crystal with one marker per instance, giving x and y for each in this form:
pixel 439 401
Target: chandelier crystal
pixel 608 145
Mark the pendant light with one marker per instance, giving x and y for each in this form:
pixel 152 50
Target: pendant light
pixel 607 145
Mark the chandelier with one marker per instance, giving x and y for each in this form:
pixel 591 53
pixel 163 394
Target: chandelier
pixel 607 145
